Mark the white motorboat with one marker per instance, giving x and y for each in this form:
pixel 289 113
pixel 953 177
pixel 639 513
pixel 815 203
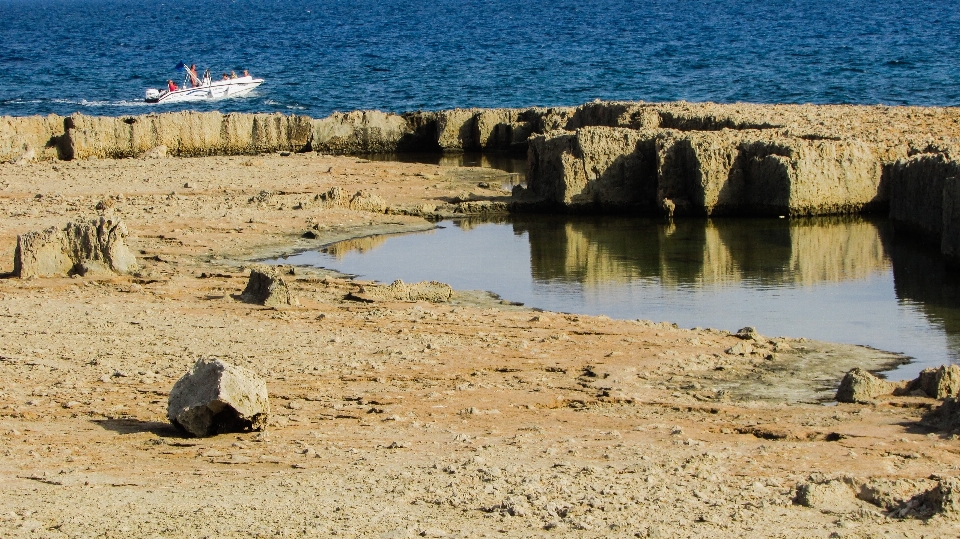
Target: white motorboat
pixel 203 89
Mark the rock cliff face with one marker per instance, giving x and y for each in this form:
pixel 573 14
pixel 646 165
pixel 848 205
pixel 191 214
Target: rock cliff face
pixel 20 135
pixel 185 134
pixel 649 158
pixel 925 199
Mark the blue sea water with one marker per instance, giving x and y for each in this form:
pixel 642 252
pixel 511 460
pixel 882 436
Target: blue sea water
pixel 98 56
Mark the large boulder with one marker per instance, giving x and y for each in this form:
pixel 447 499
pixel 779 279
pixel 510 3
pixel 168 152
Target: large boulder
pixel 267 287
pixel 216 397
pixel 53 252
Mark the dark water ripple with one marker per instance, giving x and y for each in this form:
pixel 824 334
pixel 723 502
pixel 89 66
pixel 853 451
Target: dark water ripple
pixel 98 56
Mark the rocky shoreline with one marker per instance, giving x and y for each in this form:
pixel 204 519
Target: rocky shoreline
pixel 670 159
pixel 393 415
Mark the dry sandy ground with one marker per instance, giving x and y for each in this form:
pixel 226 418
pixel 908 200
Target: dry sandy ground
pixel 463 419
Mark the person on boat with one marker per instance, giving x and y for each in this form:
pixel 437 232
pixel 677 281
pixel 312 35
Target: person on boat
pixel 224 77
pixel 172 86
pixel 194 79
pixel 233 74
pixel 246 73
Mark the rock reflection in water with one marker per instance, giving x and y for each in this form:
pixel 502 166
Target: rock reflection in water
pixel 840 279
pixel 361 245
pixel 761 252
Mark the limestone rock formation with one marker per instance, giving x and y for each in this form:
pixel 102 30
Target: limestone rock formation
pixel 899 497
pixel 431 291
pixel 945 498
pixel 950 231
pixel 834 495
pixel 79 247
pixel 704 173
pixel 938 383
pixel 455 129
pixel 185 134
pixel 859 385
pixel 366 131
pixel 363 200
pixel 267 287
pixel 216 397
pixel 367 201
pixel 917 192
pixel 19 135
pixel 945 417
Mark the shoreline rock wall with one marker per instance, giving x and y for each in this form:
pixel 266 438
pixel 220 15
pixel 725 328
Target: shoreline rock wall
pixel 39 135
pixel 649 158
pixel 185 134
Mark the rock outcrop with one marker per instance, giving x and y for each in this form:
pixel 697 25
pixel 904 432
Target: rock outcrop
pixel 96 245
pixel 266 287
pixel 362 131
pixel 704 173
pixel 185 134
pixel 938 383
pixel 941 382
pixel 40 135
pixel 216 397
pixel 898 498
pixel 859 385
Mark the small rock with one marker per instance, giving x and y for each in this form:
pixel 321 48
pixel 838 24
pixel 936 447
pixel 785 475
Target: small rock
pixel 266 287
pixel 28 156
pixel 749 333
pixel 157 152
pixel 740 349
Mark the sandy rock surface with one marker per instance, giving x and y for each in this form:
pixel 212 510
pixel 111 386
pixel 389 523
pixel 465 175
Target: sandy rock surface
pixel 392 418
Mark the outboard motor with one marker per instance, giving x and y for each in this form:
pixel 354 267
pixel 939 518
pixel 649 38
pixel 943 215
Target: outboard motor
pixel 153 95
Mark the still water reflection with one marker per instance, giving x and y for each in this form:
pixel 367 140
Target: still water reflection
pixel 835 279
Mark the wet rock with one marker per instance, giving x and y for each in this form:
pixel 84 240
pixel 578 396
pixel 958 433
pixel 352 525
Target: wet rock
pixel 216 397
pixel 431 291
pixel 79 247
pixel 859 385
pixel 267 287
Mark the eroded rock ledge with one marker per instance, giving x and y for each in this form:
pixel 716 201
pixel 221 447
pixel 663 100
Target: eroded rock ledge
pixel 669 159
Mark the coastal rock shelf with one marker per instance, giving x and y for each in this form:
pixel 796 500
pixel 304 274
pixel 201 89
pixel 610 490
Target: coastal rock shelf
pixel 650 158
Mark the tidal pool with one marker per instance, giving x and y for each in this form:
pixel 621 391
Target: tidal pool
pixel 838 279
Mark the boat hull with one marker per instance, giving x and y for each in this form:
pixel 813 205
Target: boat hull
pixel 220 89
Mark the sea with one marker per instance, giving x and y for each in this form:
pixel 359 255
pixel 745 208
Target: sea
pixel 98 57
